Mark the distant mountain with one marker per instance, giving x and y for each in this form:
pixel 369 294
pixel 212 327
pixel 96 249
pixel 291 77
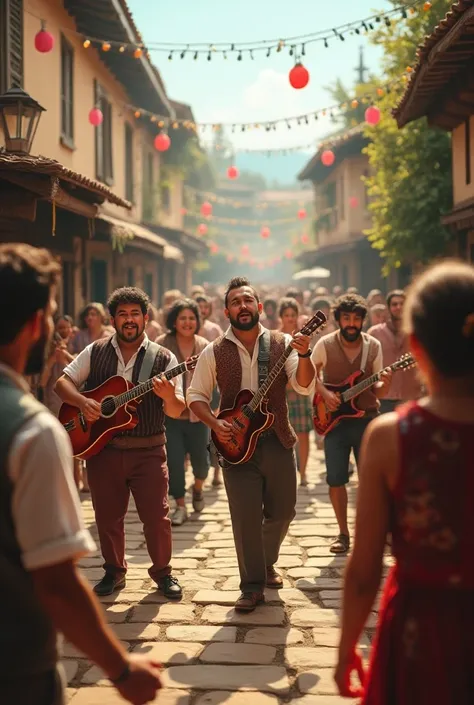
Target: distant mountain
pixel 280 168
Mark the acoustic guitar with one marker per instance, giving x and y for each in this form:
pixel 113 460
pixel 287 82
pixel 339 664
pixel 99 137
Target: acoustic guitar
pixel 325 420
pixel 118 412
pixel 249 415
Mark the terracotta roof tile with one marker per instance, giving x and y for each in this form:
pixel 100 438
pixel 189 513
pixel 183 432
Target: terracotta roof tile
pixel 50 167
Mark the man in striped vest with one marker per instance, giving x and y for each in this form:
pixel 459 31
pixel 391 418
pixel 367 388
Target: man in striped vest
pixel 134 461
pixel 261 491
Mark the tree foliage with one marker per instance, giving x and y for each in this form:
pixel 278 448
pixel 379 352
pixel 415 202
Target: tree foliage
pixel 410 181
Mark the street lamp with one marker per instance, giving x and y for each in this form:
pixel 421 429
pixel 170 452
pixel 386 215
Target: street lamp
pixel 19 118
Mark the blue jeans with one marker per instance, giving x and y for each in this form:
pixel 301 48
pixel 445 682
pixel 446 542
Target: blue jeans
pixel 338 443
pixel 184 437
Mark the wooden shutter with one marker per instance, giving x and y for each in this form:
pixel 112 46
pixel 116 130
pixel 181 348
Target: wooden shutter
pixel 99 136
pixel 11 44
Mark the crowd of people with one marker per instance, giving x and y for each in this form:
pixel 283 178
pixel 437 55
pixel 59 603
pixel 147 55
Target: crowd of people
pixel 406 432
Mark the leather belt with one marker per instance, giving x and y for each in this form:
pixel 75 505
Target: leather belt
pixel 137 442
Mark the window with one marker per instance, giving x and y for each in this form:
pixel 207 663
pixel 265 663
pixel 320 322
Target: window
pixel 99 287
pixel 67 92
pixel 148 206
pixel 103 138
pixel 11 44
pixel 129 162
pixel 148 284
pixel 130 277
pixel 165 194
pixel 467 133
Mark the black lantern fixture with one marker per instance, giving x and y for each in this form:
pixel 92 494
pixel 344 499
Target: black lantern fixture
pixel 19 118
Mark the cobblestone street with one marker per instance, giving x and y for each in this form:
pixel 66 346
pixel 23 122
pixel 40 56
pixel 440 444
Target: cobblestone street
pixel 284 651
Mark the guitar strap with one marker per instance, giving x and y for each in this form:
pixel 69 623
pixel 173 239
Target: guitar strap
pixel 365 352
pixel 148 361
pixel 263 357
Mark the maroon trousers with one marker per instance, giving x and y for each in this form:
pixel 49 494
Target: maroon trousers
pixel 112 475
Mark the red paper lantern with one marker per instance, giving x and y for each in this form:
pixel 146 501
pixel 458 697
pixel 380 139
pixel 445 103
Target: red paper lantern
pixel 328 157
pixel 44 41
pixel 214 249
pixel 372 115
pixel 298 76
pixel 288 254
pixel 96 117
pixel 265 232
pixel 230 258
pixel 202 229
pixel 183 211
pixel 251 261
pixel 302 213
pixel 232 172
pixel 245 249
pixel 353 202
pixel 162 142
pixel 304 239
pixel 206 209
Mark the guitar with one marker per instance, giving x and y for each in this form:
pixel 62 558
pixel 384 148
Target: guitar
pixel 118 414
pixel 325 420
pixel 250 416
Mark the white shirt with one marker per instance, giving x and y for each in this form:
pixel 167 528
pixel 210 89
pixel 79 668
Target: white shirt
pixel 45 505
pixel 319 355
pixel 79 369
pixel 205 377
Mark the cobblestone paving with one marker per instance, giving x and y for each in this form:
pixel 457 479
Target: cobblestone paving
pixel 284 652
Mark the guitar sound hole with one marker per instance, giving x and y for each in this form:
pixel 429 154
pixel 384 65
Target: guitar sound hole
pixel 107 407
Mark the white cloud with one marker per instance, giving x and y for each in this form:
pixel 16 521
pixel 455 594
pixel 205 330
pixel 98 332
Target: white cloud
pixel 270 94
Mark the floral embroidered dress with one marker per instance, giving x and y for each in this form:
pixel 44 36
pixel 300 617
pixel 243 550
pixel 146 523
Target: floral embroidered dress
pixel 423 653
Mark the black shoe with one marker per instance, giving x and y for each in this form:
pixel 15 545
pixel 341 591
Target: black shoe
pixel 170 587
pixel 109 584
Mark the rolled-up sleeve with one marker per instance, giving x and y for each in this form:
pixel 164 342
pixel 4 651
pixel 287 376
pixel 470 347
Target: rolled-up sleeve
pixel 177 381
pixel 45 504
pixel 79 369
pixel 377 365
pixel 291 367
pixel 204 378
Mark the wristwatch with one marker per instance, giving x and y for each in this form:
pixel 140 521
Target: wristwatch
pixel 306 354
pixel 122 677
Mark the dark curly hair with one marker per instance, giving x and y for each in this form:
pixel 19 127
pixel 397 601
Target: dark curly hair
pixel 175 310
pixel 350 303
pixel 237 283
pixel 128 295
pixel 288 302
pixel 92 306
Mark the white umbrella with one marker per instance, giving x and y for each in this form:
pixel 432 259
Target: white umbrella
pixel 315 273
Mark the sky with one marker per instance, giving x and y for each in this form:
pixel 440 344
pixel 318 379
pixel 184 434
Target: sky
pixel 229 90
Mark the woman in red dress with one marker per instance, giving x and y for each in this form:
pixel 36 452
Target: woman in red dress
pixel 417 481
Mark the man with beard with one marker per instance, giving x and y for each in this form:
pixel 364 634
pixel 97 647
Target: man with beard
pixel 340 354
pixel 394 341
pixel 262 491
pixel 134 461
pixel 42 534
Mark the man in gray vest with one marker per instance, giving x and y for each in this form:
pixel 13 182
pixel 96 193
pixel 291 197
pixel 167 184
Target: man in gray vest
pixel 41 530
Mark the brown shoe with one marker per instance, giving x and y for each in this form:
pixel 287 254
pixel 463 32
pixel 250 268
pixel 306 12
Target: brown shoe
pixel 248 601
pixel 274 580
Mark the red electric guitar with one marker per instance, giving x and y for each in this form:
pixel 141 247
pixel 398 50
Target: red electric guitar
pixel 118 413
pixel 249 415
pixel 325 420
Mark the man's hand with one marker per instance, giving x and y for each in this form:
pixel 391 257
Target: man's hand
pixel 300 343
pixel 91 409
pixel 386 378
pixel 163 388
pixel 143 681
pixel 331 399
pixel 222 429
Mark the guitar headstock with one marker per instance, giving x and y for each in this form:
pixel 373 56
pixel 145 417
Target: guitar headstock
pixel 191 362
pixel 317 321
pixel 405 362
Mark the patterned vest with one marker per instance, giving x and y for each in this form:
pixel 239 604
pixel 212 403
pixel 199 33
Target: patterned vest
pixel 27 635
pixel 229 381
pixel 104 365
pixel 338 368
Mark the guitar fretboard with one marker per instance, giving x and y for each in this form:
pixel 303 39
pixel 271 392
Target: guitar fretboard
pixel 366 383
pixel 145 387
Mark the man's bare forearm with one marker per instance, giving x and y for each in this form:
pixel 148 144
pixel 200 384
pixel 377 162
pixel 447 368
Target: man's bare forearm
pixel 68 392
pixel 70 603
pixel 305 371
pixel 174 407
pixel 203 412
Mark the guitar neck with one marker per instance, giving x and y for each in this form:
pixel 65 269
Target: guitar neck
pixel 263 390
pixel 366 383
pixel 147 386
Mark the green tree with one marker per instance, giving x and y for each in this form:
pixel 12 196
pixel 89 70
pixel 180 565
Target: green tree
pixel 410 181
